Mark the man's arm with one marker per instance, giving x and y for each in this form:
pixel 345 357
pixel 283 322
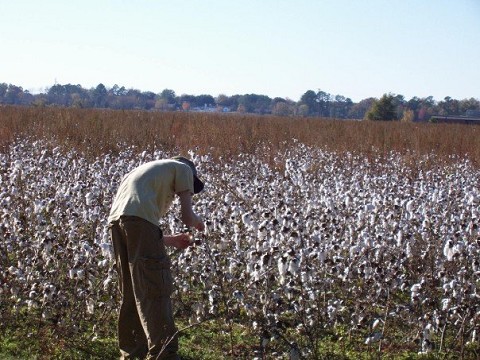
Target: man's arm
pixel 189 217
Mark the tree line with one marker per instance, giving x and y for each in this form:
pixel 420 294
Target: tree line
pixel 312 103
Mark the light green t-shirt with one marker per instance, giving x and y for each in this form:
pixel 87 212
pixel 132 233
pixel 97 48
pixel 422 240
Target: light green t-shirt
pixel 148 190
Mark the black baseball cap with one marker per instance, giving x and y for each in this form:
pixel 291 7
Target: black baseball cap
pixel 198 184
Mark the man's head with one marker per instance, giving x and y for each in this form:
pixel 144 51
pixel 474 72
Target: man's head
pixel 197 183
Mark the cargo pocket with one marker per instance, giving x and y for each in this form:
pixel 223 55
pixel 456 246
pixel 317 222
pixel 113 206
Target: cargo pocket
pixel 157 278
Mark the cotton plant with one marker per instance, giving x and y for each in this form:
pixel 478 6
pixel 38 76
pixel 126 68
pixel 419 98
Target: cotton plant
pixel 296 246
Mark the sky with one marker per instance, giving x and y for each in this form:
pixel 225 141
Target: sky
pixel 279 48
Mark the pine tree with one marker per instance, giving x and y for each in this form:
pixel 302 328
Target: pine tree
pixel 383 109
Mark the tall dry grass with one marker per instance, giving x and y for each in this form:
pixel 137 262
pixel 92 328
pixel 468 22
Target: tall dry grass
pixel 99 131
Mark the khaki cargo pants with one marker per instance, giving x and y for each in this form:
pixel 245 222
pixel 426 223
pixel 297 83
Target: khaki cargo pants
pixel 146 327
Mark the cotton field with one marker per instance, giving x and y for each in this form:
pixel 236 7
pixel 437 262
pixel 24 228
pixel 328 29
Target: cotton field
pixel 298 246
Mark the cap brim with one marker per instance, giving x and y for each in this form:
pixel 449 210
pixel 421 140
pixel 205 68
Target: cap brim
pixel 197 185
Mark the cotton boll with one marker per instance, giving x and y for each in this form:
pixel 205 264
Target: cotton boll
pixel 399 238
pixel 282 268
pixel 427 332
pixel 293 266
pixel 103 263
pixel 448 250
pixel 375 323
pixel 373 338
pixel 106 249
pixel 89 198
pixel 415 291
pixel 72 273
pixel 90 306
pixel 80 274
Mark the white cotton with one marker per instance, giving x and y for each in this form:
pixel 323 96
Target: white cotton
pixel 107 250
pixel 90 306
pixel 428 331
pixel 399 238
pixel 293 266
pixel 446 304
pixel 354 250
pixel 80 274
pixel 72 273
pixel 107 282
pixel 448 250
pixel 103 263
pixel 375 337
pixel 415 291
pixel 282 266
pixel 408 250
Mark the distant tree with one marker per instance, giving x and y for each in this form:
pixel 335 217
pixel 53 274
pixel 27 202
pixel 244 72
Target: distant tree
pixel 190 99
pixel 400 105
pixel 117 90
pixel 76 101
pixel 448 106
pixel 383 109
pixel 129 99
pixel 136 99
pixel 99 96
pixel 418 106
pixel 303 110
pixel 27 98
pixel 69 95
pixel 310 100
pixel 282 108
pixel 323 101
pixel 3 91
pixel 148 95
pixel 204 100
pixel 223 100
pixel 116 98
pixel 57 95
pixel 234 101
pixel 358 111
pixel 241 108
pixel 13 95
pixel 414 104
pixel 469 105
pixel 40 100
pixel 340 107
pixel 246 103
pixel 168 95
pixel 426 109
pixel 146 100
pixel 263 104
pixel 253 103
pixel 114 90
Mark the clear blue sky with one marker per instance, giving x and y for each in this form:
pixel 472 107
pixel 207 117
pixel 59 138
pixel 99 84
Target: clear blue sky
pixel 279 48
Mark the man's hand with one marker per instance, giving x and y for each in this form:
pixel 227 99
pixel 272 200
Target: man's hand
pixel 179 241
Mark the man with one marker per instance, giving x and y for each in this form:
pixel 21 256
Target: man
pixel 146 327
